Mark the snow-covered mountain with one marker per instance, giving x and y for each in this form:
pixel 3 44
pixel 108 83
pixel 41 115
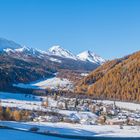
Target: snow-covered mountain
pixel 90 57
pixel 59 51
pixel 5 44
pixel 26 51
pixel 56 53
pixel 24 64
pixel 86 56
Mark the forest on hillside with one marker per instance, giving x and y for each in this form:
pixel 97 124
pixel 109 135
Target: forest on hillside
pixel 117 79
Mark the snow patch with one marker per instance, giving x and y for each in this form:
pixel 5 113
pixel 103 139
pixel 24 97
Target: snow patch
pixel 52 83
pixel 55 60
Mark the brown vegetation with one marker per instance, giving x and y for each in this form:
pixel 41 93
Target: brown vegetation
pixel 11 114
pixel 117 79
pixel 72 75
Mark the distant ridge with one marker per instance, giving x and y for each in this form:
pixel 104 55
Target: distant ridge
pixel 12 47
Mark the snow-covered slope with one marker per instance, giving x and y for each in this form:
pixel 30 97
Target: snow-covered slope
pixel 86 56
pixel 56 53
pixel 12 47
pixel 90 57
pixel 8 46
pixel 25 51
pixel 59 51
pixel 51 83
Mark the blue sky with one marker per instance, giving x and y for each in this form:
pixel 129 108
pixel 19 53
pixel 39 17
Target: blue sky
pixel 111 28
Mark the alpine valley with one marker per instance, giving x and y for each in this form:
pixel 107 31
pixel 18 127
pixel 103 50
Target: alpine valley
pixel 55 94
pixel 20 64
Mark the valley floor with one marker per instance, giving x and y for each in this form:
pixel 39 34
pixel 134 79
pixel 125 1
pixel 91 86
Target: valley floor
pixel 50 83
pixel 83 128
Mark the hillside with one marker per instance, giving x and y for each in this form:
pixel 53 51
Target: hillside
pixel 13 70
pixel 117 79
pixel 21 64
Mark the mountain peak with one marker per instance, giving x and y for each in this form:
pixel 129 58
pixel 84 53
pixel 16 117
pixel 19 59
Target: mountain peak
pixel 4 44
pixel 55 47
pixel 91 57
pixel 59 51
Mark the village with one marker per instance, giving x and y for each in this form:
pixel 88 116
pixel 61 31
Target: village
pixel 74 110
pixel 87 111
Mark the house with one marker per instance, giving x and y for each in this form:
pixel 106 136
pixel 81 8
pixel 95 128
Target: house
pixel 47 119
pixel 72 118
pixel 116 121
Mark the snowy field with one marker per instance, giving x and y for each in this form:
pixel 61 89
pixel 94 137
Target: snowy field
pixel 52 83
pixel 78 129
pixel 125 105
